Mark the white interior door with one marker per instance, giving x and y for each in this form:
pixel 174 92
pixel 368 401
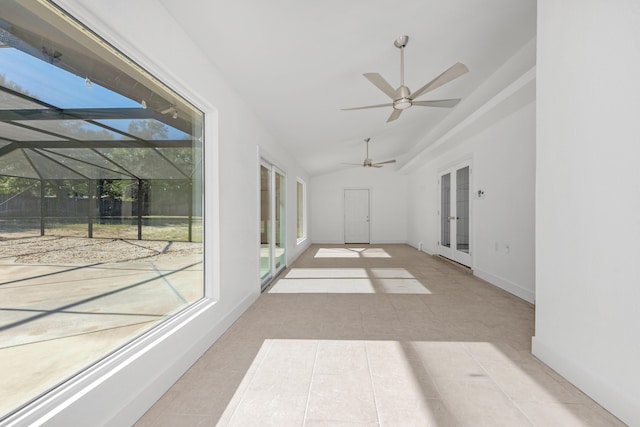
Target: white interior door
pixel 356 216
pixel 455 214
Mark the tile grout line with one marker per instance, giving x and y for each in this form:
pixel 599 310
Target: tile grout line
pixel 313 372
pixel 373 388
pixel 433 381
pixel 495 383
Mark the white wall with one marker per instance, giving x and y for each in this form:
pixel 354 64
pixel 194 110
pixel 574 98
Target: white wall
pixel 588 198
pixel 135 378
pixel 503 166
pixel 388 200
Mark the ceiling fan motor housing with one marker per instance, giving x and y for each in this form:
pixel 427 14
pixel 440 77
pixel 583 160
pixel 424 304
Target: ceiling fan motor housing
pixel 402 100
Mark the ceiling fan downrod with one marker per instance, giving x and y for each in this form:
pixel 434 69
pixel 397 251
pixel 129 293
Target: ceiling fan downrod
pixel 401 43
pixel 402 99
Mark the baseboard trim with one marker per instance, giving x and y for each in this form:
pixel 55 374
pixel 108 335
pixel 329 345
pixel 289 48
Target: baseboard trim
pixel 300 249
pixel 461 267
pixel 618 403
pixel 507 285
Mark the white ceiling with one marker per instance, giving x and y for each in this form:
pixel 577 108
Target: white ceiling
pixel 297 63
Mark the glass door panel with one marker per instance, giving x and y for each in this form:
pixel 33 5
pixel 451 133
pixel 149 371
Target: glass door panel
pixel 445 210
pixel 462 209
pixel 279 248
pixel 265 224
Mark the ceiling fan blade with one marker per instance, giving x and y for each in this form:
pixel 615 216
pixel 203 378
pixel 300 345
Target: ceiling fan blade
pixel 368 106
pixel 381 84
pixel 394 115
pixel 375 166
pixel 386 162
pixel 352 164
pixel 445 103
pixel 455 71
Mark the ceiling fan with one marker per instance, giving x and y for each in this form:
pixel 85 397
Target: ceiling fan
pixel 402 97
pixel 368 163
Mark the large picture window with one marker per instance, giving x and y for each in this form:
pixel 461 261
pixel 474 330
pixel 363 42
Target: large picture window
pixel 101 218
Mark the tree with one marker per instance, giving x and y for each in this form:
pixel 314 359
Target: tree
pixel 148 129
pixel 12 185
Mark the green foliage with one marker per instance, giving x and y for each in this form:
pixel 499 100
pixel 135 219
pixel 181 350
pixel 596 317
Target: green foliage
pixel 66 188
pixel 79 129
pixel 12 185
pixel 125 190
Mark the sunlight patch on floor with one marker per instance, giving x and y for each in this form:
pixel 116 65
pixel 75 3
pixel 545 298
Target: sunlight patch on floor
pixel 345 381
pixel 349 281
pixel 318 273
pixel 352 253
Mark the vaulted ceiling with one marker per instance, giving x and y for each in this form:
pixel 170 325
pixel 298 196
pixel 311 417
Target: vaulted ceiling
pixel 298 63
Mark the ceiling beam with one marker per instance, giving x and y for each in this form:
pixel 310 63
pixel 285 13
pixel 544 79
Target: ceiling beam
pixel 169 143
pixel 95 114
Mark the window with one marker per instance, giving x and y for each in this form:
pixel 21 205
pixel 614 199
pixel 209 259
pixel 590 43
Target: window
pixel 101 228
pixel 301 228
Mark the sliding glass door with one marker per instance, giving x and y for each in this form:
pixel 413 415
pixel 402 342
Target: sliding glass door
pixel 272 222
pixel 265 224
pixel 279 225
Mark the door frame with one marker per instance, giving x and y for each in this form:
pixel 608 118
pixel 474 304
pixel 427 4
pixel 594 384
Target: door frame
pixel 451 252
pixel 344 213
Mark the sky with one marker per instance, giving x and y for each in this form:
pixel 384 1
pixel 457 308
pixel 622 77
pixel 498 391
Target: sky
pixel 55 85
pixel 61 88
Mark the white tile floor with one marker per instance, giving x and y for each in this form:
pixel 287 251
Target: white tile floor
pixel 413 342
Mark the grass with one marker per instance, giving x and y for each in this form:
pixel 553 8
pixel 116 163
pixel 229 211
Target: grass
pixel 154 228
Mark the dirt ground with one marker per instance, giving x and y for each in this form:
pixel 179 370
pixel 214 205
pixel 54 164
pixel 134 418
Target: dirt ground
pixel 53 250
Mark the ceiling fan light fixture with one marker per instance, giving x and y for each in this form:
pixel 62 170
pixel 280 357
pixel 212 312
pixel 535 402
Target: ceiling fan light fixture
pixel 402 104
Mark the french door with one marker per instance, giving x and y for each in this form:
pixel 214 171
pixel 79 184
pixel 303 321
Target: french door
pixel 356 215
pixel 272 222
pixel 455 214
